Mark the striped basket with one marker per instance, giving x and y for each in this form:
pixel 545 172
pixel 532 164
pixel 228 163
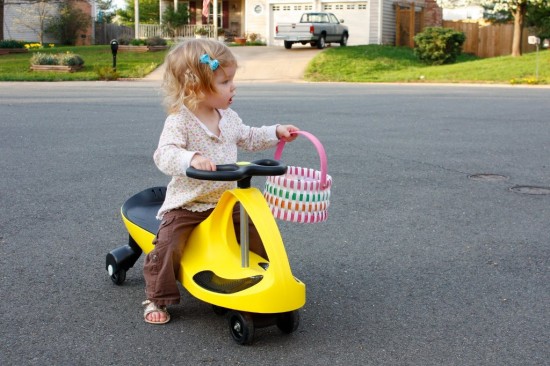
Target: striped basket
pixel 302 194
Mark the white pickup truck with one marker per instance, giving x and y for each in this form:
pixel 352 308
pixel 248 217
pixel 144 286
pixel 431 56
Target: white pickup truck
pixel 315 28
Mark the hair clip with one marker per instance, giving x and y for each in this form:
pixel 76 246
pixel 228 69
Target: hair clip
pixel 205 59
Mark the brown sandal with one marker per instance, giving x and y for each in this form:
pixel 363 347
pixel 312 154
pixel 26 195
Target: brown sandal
pixel 151 307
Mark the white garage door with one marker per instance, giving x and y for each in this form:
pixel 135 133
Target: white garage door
pixel 355 16
pixel 286 13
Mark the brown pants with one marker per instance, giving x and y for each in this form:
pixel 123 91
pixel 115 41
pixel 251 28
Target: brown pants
pixel 162 264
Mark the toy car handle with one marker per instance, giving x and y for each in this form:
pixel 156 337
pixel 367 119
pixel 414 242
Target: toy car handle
pixel 320 150
pixel 240 171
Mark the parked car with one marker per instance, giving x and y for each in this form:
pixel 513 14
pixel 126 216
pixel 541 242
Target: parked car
pixel 315 28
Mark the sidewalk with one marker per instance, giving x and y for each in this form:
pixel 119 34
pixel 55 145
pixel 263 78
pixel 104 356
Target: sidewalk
pixel 266 64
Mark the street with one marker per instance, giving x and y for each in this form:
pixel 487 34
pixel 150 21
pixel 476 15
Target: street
pixel 418 264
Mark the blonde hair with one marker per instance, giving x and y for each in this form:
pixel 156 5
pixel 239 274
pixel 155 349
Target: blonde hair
pixel 186 79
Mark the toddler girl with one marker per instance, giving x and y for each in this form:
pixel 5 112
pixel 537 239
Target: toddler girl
pixel 201 131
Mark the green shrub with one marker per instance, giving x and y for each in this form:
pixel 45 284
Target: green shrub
pixel 70 59
pixel 66 59
pixel 10 43
pixel 155 41
pixel 124 40
pixel 106 73
pixel 437 46
pixel 44 59
pixel 137 42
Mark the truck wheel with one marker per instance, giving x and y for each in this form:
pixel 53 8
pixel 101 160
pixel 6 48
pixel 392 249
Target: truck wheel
pixel 344 40
pixel 321 42
pixel 288 45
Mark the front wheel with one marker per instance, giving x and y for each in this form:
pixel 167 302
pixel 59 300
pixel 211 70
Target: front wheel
pixel 344 40
pixel 241 326
pixel 288 45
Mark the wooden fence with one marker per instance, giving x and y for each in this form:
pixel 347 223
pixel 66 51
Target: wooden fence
pixel 489 40
pixel 105 32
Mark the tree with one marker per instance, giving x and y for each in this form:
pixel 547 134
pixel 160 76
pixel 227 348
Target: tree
pixel 173 19
pixel 68 23
pixel 105 11
pixel 36 17
pixel 149 12
pixel 516 10
pixel 539 18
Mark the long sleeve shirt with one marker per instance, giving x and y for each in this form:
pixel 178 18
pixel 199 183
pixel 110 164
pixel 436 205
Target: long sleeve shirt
pixel 183 136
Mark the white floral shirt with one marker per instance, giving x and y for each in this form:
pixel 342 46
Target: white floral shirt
pixel 183 136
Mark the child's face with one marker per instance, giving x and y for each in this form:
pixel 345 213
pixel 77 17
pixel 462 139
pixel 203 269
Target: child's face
pixel 223 82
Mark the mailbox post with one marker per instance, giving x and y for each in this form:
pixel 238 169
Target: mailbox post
pixel 114 49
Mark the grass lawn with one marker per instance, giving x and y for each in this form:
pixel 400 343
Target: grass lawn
pixel 15 67
pixel 375 63
pixel 372 63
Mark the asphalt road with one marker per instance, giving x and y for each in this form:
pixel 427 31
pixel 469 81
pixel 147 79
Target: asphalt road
pixel 418 264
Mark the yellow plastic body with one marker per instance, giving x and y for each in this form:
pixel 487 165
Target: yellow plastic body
pixel 213 246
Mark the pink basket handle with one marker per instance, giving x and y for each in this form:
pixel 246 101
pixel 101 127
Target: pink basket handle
pixel 320 151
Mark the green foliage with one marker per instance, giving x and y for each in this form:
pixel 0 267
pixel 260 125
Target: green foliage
pixel 539 18
pixel 173 19
pixel 44 59
pixel 148 12
pixel 106 73
pixel 155 41
pixel 437 46
pixel 124 40
pixel 10 43
pixel 14 67
pixel 376 63
pixel 137 42
pixel 69 23
pixel 66 59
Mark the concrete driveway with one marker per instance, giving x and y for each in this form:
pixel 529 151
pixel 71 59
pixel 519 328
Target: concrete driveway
pixel 266 64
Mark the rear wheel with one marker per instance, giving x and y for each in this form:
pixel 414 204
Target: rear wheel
pixel 288 45
pixel 288 322
pixel 119 277
pixel 321 43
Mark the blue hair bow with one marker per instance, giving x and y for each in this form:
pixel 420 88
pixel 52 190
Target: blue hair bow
pixel 205 59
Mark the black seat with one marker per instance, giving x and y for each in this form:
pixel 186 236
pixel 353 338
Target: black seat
pixel 141 209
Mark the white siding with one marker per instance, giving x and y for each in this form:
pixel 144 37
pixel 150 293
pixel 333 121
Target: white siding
pixel 14 29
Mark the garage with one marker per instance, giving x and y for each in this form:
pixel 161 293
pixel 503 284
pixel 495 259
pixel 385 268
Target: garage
pixel 355 15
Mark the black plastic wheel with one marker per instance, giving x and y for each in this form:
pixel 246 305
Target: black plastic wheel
pixel 288 322
pixel 218 310
pixel 241 326
pixel 288 45
pixel 119 277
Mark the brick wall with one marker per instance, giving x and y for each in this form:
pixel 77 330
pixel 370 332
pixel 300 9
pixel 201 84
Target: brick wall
pixel 433 14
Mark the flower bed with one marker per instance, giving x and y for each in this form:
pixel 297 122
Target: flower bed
pixel 61 62
pixel 130 48
pixel 5 51
pixel 56 68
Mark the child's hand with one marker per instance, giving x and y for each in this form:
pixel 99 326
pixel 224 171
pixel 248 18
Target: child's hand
pixel 202 163
pixel 283 132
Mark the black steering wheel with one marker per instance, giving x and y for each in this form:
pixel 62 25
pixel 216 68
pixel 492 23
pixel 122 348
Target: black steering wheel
pixel 241 172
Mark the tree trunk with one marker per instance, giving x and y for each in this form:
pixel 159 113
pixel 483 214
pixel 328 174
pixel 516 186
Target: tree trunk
pixel 1 20
pixel 519 16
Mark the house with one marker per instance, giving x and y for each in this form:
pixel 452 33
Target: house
pixel 23 21
pixel 369 21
